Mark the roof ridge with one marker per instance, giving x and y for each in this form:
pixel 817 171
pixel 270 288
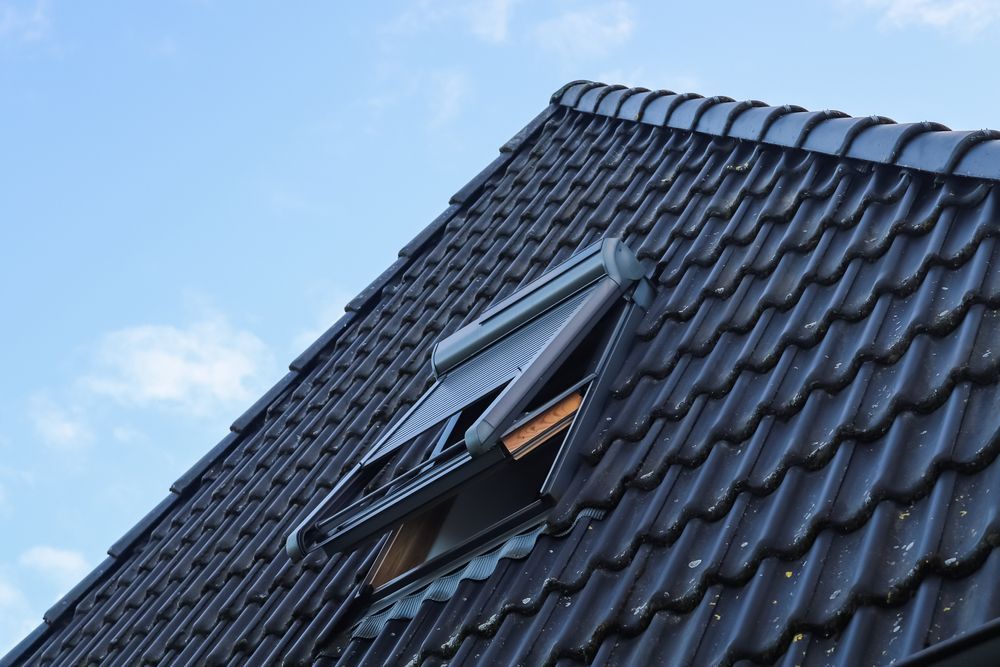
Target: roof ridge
pixel 925 146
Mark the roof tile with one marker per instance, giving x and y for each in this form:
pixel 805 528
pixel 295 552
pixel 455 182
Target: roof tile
pixel 814 384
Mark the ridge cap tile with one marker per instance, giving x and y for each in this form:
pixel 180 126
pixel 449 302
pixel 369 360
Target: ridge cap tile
pixel 687 114
pixel 755 122
pixel 934 154
pixel 611 103
pixel 659 110
pixel 591 98
pixel 980 161
pixel 633 104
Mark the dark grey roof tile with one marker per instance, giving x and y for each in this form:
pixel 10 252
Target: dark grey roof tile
pixel 754 124
pixel 815 380
pixel 980 161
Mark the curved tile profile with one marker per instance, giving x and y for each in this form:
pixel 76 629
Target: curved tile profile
pixel 925 146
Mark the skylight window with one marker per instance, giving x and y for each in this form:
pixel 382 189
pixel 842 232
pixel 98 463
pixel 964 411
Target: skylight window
pixel 514 389
pixel 503 497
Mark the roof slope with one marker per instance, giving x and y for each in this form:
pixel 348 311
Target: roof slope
pixel 797 460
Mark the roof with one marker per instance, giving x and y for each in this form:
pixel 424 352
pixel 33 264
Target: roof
pixel 798 454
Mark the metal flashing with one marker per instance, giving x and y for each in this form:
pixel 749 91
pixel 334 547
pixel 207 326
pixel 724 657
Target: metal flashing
pixel 478 568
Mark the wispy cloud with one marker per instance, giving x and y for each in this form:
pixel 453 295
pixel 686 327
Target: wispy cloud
pixel 965 17
pixel 60 567
pixel 443 90
pixel 588 32
pixel 442 95
pixel 24 23
pixel 487 20
pixel 194 368
pixel 128 435
pixel 447 96
pixel 59 426
pixel 165 47
pixel 16 474
pixel 10 477
pixel 9 595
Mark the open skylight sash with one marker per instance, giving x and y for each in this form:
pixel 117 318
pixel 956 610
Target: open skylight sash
pixel 483 435
pixel 356 524
pixel 517 345
pixel 609 258
pixel 479 375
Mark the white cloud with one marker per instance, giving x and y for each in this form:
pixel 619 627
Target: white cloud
pixel 63 427
pixel 127 435
pixel 8 475
pixel 588 32
pixel 448 93
pixel 487 20
pixel 18 475
pixel 193 368
pixel 27 24
pixel 959 16
pixel 62 567
pixel 442 93
pixel 9 596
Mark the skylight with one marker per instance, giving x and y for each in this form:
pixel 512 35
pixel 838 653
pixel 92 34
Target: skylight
pixel 514 389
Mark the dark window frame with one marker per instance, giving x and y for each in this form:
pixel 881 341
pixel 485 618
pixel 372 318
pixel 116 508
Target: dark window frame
pixel 489 536
pixel 599 279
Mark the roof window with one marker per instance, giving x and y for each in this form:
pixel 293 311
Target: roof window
pixel 514 389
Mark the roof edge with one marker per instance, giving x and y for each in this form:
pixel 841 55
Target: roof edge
pixel 926 146
pixel 249 421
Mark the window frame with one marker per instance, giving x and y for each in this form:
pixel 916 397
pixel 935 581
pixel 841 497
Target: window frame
pixel 484 539
pixel 600 278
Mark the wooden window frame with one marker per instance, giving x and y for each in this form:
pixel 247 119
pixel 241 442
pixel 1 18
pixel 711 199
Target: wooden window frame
pixel 399 565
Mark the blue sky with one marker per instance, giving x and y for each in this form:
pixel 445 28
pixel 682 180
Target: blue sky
pixel 193 190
